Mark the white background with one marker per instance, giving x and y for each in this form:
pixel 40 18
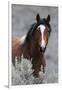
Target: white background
pixel 4 45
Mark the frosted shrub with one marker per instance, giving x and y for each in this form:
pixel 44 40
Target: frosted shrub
pixel 26 67
pixel 22 73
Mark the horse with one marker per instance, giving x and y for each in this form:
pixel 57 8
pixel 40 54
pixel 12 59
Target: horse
pixel 33 44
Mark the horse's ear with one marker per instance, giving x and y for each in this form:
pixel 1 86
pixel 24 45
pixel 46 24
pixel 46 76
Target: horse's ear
pixel 48 18
pixel 37 17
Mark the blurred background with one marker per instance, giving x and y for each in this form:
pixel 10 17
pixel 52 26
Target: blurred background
pixel 22 18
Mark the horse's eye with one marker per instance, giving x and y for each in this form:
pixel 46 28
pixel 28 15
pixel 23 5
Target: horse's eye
pixel 39 28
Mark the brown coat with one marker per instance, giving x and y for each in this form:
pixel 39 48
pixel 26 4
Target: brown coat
pixel 29 51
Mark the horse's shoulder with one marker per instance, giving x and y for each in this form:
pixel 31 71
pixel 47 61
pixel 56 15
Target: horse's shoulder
pixel 18 40
pixel 15 41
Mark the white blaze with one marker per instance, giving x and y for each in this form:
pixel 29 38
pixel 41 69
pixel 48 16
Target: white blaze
pixel 42 29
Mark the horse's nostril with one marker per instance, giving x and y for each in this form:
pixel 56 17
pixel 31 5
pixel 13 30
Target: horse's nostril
pixel 42 49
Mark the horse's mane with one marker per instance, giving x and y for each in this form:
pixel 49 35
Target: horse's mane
pixel 34 26
pixel 30 31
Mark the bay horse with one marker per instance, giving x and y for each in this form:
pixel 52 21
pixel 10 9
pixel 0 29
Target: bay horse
pixel 33 44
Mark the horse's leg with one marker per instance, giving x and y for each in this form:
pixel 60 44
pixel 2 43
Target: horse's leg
pixel 16 58
pixel 36 71
pixel 43 69
pixel 37 62
pixel 36 66
pixel 19 53
pixel 43 64
pixel 35 74
pixel 13 60
pixel 19 59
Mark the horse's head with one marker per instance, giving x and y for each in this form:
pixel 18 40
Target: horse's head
pixel 42 31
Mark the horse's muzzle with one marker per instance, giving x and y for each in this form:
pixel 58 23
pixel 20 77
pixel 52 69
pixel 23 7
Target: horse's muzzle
pixel 42 49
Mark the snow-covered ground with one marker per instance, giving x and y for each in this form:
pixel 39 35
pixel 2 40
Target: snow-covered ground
pixel 22 18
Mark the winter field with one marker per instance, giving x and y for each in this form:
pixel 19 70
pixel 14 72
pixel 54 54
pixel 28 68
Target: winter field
pixel 22 17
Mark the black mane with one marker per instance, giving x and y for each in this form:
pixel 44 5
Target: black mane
pixel 34 26
pixel 29 34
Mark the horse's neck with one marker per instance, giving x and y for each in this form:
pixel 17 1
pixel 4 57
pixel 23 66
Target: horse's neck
pixel 30 49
